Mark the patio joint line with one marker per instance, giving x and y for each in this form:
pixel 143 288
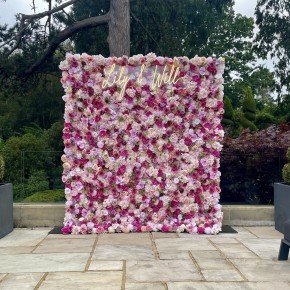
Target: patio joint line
pixel 123 286
pixel 229 261
pixel 40 281
pixel 91 254
pixel 38 244
pixel 5 275
pixel 250 250
pixel 251 232
pixel 154 247
pixel 165 285
pixel 196 265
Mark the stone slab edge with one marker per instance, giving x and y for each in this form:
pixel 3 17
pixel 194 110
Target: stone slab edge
pixel 51 215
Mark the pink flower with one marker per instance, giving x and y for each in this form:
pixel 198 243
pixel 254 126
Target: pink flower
pixel 144 162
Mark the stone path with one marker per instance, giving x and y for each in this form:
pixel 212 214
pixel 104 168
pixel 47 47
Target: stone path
pixel 32 259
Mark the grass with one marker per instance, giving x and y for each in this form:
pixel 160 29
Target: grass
pixel 56 195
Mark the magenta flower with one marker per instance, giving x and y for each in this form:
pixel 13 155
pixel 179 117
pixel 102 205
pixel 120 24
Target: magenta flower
pixel 142 157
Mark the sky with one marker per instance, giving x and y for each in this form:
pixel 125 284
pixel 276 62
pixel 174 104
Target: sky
pixel 10 7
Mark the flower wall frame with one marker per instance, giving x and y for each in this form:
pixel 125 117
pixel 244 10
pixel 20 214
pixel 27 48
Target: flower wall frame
pixel 142 143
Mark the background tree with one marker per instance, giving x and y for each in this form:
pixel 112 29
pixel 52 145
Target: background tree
pixel 272 39
pixel 249 110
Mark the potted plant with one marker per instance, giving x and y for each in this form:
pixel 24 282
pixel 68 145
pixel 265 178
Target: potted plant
pixel 6 203
pixel 282 197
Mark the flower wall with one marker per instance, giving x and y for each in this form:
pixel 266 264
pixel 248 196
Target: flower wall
pixel 142 143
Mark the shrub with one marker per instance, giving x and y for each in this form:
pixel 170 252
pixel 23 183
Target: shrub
pixel 264 120
pixel 246 123
pixel 25 155
pixel 250 116
pixel 286 168
pixel 35 183
pixel 47 196
pixel 2 167
pixel 251 163
pixel 249 103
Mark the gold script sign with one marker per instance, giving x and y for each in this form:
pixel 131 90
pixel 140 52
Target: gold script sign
pixel 114 76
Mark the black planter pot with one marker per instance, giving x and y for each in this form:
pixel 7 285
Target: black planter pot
pixel 281 205
pixel 6 209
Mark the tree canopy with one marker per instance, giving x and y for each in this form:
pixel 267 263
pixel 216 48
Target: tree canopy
pixel 272 40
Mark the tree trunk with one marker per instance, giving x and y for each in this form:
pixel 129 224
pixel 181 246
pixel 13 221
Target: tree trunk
pixel 119 28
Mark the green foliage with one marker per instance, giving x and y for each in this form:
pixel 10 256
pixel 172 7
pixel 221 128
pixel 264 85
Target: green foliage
pixel 249 109
pixel 229 111
pixel 53 136
pixel 288 154
pixel 2 167
pixel 28 149
pixel 249 103
pixel 286 168
pixel 272 39
pixel 36 182
pixel 246 123
pixel 251 163
pixel 26 108
pixel 264 120
pixel 250 116
pixel 46 196
pixel 286 173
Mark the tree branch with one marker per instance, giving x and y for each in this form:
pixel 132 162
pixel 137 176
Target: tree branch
pixel 67 33
pixel 49 12
pixel 146 30
pixel 25 24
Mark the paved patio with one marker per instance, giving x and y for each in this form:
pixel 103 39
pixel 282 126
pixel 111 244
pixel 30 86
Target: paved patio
pixel 32 259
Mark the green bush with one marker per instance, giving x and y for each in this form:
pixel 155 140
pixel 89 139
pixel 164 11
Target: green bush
pixel 264 120
pixel 286 168
pixel 2 167
pixel 46 196
pixel 247 124
pixel 249 103
pixel 229 111
pixel 250 116
pixel 35 183
pixel 25 155
pixel 286 173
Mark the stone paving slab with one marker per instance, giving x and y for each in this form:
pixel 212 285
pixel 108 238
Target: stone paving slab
pixel 225 240
pixel 110 280
pixel 145 286
pixel 265 232
pixel 246 260
pixel 222 275
pixel 65 246
pixel 263 270
pixel 178 255
pixel 77 237
pixel 124 239
pixel 43 262
pixel 205 255
pixel 227 286
pixel 236 251
pixel 98 265
pixel 159 235
pixel 23 238
pixel 244 233
pixel 157 271
pixel 16 250
pixel 20 281
pixel 123 252
pixel 172 245
pixel 264 248
pixel 214 264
